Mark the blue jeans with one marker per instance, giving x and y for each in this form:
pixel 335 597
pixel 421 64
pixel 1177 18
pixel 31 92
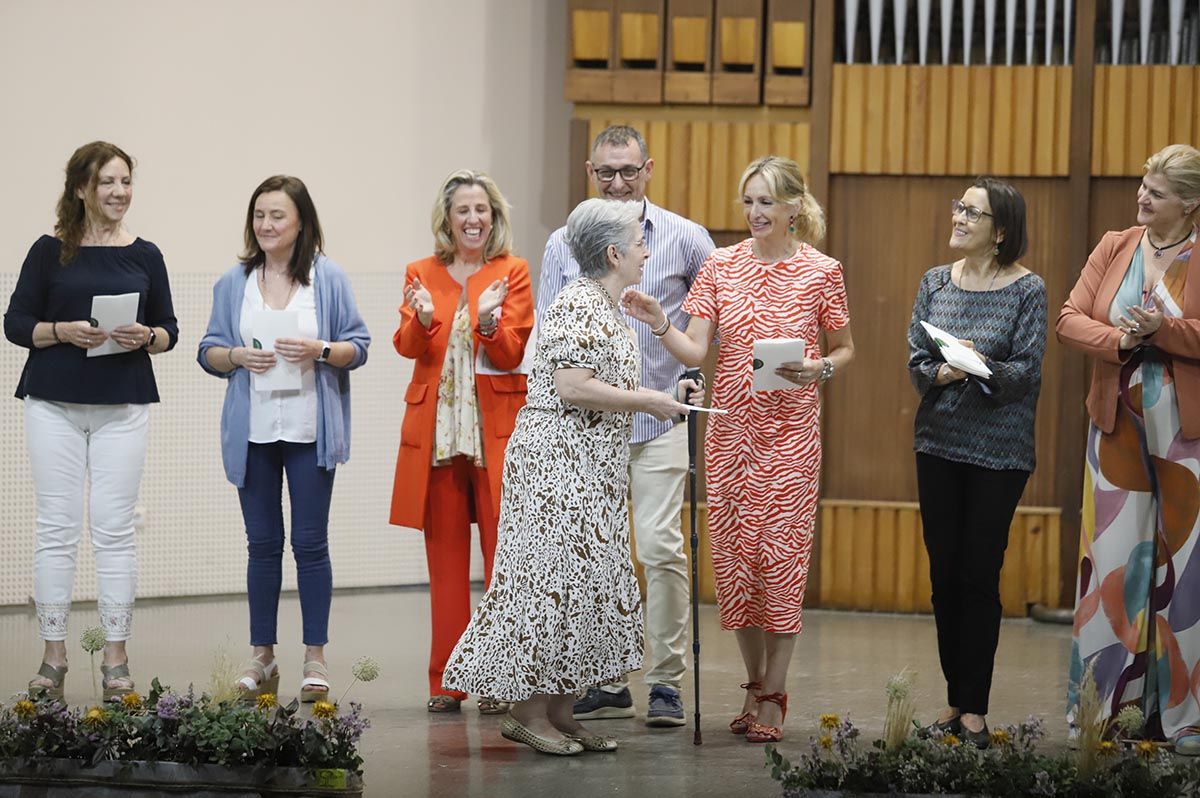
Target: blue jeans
pixel 309 488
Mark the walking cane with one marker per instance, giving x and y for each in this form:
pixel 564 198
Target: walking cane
pixel 694 374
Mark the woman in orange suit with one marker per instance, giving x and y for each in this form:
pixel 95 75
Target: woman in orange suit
pixel 466 318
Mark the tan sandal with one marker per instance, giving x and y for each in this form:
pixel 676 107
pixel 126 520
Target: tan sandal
pixel 493 706
pixel 265 679
pixel 314 688
pixel 55 675
pixel 113 673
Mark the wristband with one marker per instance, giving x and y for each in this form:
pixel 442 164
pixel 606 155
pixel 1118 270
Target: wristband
pixel 54 329
pixel 661 331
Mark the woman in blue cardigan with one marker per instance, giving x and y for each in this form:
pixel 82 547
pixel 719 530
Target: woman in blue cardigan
pixel 302 431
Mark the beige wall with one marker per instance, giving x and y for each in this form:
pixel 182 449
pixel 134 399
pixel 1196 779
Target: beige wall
pixel 371 103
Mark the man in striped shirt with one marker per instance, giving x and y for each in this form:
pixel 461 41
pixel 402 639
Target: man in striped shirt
pixel 620 168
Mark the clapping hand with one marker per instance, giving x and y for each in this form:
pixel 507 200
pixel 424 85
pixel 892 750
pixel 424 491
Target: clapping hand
pixel 1142 322
pixel 493 297
pixel 417 297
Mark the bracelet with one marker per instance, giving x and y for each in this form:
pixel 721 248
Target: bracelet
pixel 229 354
pixel 661 331
pixel 826 369
pixel 54 329
pixel 488 329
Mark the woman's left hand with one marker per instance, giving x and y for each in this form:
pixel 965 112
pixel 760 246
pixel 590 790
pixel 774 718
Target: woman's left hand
pixel 801 372
pixel 131 336
pixel 297 350
pixel 493 297
pixel 1143 320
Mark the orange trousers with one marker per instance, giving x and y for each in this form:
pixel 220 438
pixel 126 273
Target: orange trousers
pixel 459 493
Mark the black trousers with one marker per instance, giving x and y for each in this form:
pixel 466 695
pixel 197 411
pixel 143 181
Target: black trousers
pixel 966 511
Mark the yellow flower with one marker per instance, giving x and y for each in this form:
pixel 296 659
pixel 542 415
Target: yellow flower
pixel 1001 737
pixel 950 740
pixel 1145 749
pixel 826 742
pixel 266 701
pixel 324 710
pixel 1106 747
pixel 830 721
pixel 131 701
pixel 25 709
pixel 94 717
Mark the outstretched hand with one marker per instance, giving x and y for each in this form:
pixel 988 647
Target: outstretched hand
pixel 643 307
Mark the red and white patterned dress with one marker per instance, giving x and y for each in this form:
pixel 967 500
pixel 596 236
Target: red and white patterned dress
pixel 763 459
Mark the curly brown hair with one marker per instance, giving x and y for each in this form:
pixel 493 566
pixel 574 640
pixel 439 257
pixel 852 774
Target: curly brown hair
pixel 83 171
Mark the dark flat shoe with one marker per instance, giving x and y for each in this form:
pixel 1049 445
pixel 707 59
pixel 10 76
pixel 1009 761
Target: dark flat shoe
pixel 443 703
pixel 952 726
pixel 980 739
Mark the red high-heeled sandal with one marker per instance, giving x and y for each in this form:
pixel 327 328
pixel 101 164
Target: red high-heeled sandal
pixel 761 733
pixel 741 724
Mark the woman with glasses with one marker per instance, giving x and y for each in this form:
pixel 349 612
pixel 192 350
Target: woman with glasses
pixel 974 434
pixel 466 318
pixel 1135 312
pixel 763 458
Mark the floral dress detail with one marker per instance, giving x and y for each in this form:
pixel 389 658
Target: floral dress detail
pixel 763 459
pixel 458 422
pixel 563 612
pixel 1139 556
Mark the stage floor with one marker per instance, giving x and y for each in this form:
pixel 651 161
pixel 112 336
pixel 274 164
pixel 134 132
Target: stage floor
pixel 843 660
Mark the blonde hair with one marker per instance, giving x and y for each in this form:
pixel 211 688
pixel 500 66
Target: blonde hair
pixel 1180 165
pixel 500 239
pixel 786 183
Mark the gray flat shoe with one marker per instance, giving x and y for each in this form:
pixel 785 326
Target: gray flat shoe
pixel 594 742
pixel 511 729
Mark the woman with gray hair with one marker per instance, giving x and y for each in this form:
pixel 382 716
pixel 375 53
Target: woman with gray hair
pixel 563 612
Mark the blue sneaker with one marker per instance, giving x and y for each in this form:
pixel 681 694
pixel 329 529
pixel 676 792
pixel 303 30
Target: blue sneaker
pixel 666 707
pixel 602 705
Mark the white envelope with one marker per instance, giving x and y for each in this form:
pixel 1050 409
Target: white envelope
pixel 268 325
pixel 955 354
pixel 110 311
pixel 770 354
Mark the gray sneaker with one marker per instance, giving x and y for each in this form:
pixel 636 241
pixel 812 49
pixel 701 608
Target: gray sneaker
pixel 602 705
pixel 666 707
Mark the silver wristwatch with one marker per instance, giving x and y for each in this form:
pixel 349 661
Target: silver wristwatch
pixel 826 369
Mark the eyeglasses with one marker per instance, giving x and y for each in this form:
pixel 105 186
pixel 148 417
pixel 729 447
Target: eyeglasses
pixel 627 173
pixel 972 213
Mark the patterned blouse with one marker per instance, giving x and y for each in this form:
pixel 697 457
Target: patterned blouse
pixel 988 423
pixel 458 422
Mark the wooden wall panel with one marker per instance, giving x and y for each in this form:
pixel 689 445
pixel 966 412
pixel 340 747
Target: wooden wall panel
pixel 1138 110
pixel 689 58
pixel 873 558
pixel 887 232
pixel 955 120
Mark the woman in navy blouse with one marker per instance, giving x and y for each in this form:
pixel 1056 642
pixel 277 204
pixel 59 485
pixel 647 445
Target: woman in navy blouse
pixel 87 404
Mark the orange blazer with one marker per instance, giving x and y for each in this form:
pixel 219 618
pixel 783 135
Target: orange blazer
pixel 1083 324
pixel 500 396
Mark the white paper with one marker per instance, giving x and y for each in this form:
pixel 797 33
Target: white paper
pixel 955 354
pixel 484 364
pixel 770 354
pixel 268 325
pixel 109 312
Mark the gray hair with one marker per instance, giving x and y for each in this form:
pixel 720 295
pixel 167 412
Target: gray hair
pixel 619 136
pixel 594 225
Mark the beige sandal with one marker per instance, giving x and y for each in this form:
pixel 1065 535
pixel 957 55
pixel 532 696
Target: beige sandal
pixel 316 687
pixel 55 675
pixel 265 679
pixel 112 673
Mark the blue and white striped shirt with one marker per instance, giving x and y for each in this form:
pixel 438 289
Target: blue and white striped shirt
pixel 678 247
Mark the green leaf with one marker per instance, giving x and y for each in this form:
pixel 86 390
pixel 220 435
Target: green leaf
pixel 257 344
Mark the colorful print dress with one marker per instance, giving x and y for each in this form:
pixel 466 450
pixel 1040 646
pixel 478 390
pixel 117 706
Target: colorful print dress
pixel 564 611
pixel 763 459
pixel 1138 553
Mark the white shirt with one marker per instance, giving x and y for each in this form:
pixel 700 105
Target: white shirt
pixel 284 415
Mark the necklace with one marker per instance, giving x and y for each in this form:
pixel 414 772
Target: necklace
pixel 1158 251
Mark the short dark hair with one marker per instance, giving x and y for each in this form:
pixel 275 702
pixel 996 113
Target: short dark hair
pixel 1008 214
pixel 308 243
pixel 620 136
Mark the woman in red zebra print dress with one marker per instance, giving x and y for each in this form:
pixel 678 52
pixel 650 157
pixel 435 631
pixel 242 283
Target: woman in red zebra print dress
pixel 763 459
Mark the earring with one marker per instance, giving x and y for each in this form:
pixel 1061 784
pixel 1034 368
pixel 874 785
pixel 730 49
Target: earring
pixel 996 249
pixel 792 225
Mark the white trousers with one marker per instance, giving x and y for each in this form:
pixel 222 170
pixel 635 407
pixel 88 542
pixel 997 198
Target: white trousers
pixel 657 471
pixel 68 443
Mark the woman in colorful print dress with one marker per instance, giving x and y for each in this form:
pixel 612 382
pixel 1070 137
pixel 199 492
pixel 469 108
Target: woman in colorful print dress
pixel 763 459
pixel 1135 311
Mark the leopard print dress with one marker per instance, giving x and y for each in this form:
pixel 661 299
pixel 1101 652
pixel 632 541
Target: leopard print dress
pixel 563 612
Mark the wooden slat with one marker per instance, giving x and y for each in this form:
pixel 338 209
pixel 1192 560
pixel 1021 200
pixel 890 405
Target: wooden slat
pixel 789 44
pixel 865 557
pixel 802 147
pixel 679 151
pixel 844 553
pixel 923 599
pixel 1012 588
pixel 589 35
pixel 885 598
pixel 1052 587
pixel 1045 111
pixel 908 541
pixel 760 141
pixel 1185 102
pixel 1138 117
pixel 938 140
pixel 1026 127
pixel 1116 115
pixel 1162 105
pixel 698 162
pixel 960 110
pixel 689 40
pixel 718 190
pixel 1099 93
pixel 917 121
pixel 658 140
pixel 980 138
pixel 896 122
pixel 781 138
pixel 838 128
pixel 739 44
pixel 874 119
pixel 828 574
pixel 853 131
pixel 1003 80
pixel 1064 76
pixel 639 36
pixel 1035 559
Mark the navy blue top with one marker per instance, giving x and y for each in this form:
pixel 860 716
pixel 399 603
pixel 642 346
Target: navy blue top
pixel 49 291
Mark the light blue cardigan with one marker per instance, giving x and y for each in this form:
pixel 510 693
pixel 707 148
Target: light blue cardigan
pixel 337 320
